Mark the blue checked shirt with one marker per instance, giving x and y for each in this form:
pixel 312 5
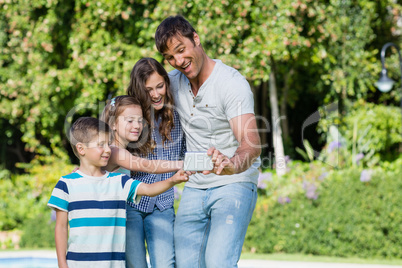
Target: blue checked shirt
pixel 171 151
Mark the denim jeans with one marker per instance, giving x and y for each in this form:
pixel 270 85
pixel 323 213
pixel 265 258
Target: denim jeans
pixel 156 229
pixel 211 225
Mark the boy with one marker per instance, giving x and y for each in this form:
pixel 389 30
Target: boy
pixel 92 201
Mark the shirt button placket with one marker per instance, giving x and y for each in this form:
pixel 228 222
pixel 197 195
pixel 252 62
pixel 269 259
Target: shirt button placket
pixel 191 93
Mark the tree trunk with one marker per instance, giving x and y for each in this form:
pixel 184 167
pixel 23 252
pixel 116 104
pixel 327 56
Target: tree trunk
pixel 18 152
pixel 280 164
pixel 284 102
pixel 262 112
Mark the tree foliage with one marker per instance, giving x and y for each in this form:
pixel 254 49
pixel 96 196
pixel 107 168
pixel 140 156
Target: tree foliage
pixel 57 55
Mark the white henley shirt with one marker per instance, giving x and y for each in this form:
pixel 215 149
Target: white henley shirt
pixel 205 118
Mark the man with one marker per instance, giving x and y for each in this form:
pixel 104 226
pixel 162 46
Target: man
pixel 216 110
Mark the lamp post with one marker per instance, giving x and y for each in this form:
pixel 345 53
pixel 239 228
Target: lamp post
pixel 385 83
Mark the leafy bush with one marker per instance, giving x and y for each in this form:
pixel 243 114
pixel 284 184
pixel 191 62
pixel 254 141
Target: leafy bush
pixel 38 232
pixel 23 200
pixel 14 202
pixel 367 128
pixel 350 213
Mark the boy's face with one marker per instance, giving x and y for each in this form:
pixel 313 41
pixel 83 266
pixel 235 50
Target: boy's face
pixel 97 151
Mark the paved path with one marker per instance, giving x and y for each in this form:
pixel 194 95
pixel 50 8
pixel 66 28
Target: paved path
pixel 242 263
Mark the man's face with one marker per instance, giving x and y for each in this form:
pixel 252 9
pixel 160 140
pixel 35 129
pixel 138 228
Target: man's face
pixel 182 54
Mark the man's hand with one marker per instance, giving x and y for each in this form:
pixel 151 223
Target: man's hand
pixel 223 165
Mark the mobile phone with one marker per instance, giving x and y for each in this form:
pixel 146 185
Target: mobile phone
pixel 197 161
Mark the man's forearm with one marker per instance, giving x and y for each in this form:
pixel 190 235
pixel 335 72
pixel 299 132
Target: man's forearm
pixel 245 129
pixel 244 158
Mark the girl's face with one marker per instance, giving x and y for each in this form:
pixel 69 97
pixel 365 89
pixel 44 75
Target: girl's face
pixel 156 87
pixel 128 125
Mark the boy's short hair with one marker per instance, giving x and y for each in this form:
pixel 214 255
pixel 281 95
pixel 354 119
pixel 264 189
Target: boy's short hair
pixel 84 130
pixel 170 27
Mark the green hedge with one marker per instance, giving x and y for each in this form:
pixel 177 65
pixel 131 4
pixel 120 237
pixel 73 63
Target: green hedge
pixel 348 218
pixel 23 200
pixel 38 232
pixel 311 210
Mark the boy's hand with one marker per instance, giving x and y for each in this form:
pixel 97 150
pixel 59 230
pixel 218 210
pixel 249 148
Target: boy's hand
pixel 180 176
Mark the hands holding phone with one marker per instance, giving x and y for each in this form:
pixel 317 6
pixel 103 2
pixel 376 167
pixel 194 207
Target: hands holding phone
pixel 223 165
pixel 211 161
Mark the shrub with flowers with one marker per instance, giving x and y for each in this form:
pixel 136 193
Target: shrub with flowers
pixel 369 133
pixel 320 209
pixel 344 200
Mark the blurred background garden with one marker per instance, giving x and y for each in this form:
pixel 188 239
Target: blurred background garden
pixel 331 175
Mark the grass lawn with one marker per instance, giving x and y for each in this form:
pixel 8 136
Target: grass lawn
pixel 313 258
pixel 275 257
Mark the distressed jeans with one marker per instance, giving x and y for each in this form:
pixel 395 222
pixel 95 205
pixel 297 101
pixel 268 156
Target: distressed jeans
pixel 211 225
pixel 157 229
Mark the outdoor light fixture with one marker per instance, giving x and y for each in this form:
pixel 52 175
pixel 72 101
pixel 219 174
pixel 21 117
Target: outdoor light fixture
pixel 385 83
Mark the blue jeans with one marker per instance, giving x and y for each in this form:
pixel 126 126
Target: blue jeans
pixel 156 229
pixel 211 225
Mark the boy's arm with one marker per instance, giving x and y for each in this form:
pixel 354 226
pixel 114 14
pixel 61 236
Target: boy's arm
pixel 61 237
pixel 157 188
pixel 124 159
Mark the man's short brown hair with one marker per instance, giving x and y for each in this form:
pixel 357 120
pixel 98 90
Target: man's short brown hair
pixel 170 27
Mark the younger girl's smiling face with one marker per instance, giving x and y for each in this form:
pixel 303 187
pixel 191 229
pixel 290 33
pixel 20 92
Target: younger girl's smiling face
pixel 128 125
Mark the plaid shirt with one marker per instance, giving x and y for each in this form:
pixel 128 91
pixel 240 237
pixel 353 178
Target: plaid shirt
pixel 171 151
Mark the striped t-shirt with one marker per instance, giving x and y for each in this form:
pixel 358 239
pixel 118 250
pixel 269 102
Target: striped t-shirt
pixel 96 215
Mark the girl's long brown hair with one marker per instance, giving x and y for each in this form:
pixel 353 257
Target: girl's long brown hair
pixel 111 113
pixel 140 73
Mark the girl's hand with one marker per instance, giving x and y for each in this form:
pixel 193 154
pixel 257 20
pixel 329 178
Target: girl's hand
pixel 179 177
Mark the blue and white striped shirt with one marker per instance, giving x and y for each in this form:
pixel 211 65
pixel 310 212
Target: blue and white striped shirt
pixel 96 215
pixel 172 150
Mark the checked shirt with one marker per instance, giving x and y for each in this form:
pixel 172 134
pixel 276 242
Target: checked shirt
pixel 172 150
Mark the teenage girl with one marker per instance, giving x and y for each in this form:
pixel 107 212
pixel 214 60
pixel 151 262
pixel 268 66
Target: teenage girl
pixel 151 221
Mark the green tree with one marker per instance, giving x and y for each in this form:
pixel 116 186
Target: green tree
pixel 73 54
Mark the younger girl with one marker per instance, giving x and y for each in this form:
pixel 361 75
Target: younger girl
pixel 124 116
pixel 153 218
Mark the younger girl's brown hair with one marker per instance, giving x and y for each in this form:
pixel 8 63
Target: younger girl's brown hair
pixel 111 113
